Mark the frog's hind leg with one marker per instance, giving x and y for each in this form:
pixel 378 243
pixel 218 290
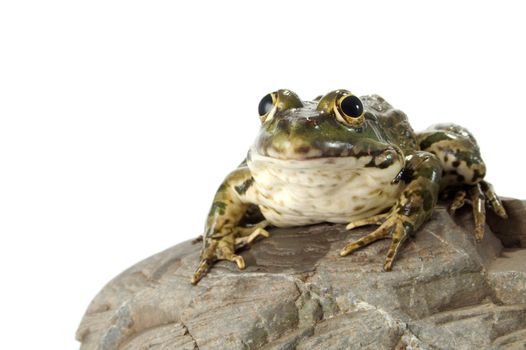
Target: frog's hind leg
pixel 480 196
pixel 476 198
pixel 463 170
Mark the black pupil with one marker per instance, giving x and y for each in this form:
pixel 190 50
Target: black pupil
pixel 352 106
pixel 265 105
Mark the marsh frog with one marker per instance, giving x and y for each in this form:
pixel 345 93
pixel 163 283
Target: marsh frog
pixel 344 159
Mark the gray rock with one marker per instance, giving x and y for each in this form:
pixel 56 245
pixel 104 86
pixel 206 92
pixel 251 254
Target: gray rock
pixel 445 292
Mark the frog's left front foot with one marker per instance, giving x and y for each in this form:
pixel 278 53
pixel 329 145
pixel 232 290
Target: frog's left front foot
pixel 479 195
pixel 392 224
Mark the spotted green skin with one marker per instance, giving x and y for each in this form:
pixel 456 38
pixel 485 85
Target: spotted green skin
pixel 307 130
pixel 443 158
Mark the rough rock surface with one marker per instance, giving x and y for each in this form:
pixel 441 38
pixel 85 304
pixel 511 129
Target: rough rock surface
pixel 445 292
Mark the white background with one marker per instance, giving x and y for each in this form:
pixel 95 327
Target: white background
pixel 119 119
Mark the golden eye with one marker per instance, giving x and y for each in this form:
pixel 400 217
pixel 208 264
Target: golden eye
pixel 349 109
pixel 266 105
pixel 277 101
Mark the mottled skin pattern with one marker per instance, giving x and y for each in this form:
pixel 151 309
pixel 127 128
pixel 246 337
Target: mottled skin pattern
pixel 345 160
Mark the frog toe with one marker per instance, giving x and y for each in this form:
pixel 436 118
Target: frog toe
pixel 458 201
pixel 206 264
pixel 202 268
pixel 392 227
pixel 245 240
pixel 226 251
pixel 479 196
pixel 362 242
pixel 381 232
pixel 479 211
pixel 494 201
pixel 399 235
pixel 373 220
pixel 223 245
pixel 237 259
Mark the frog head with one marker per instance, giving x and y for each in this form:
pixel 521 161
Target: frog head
pixel 335 125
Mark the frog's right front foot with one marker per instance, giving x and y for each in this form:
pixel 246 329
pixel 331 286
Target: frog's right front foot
pixel 223 247
pixel 215 250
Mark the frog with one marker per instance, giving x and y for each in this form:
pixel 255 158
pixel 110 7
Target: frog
pixel 344 159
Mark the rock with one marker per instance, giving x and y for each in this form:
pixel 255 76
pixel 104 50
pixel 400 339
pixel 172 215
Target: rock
pixel 445 292
pixel 512 232
pixel 507 277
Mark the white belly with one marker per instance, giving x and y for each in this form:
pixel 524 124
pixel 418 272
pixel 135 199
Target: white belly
pixel 339 190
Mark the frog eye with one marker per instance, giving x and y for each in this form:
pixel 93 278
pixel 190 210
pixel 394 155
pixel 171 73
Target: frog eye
pixel 349 109
pixel 351 106
pixel 277 101
pixel 266 105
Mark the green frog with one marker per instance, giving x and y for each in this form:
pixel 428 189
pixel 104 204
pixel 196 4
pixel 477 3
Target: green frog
pixel 344 159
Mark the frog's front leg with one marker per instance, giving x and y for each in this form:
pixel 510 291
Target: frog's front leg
pixel 223 235
pixel 422 178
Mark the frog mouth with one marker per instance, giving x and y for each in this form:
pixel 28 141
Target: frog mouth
pixel 326 174
pixel 380 159
pixel 301 151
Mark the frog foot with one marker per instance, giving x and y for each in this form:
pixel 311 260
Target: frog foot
pixel 479 195
pixel 392 225
pixel 246 235
pixel 223 247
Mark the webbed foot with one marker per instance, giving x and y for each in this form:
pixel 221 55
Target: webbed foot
pixel 480 195
pixel 223 247
pixel 392 224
